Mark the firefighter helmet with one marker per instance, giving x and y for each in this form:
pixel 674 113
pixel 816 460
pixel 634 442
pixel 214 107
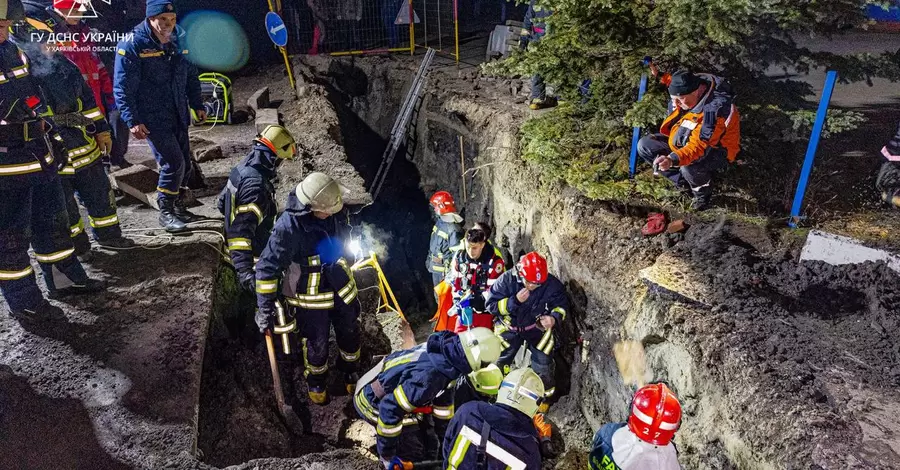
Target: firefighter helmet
pixel 12 10
pixel 321 193
pixel 443 203
pixel 482 347
pixel 533 268
pixel 279 140
pixel 655 414
pixel 486 381
pixel 522 389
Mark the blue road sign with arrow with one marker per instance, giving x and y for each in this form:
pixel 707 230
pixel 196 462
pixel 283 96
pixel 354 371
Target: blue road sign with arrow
pixel 276 29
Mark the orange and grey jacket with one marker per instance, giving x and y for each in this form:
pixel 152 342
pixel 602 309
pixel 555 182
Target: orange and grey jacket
pixel 714 123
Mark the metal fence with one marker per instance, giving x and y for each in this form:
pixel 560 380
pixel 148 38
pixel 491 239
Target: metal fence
pixel 348 27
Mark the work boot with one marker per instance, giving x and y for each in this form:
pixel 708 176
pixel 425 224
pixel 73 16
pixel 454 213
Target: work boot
pixel 318 395
pixel 118 242
pixel 702 199
pixel 89 286
pixel 350 380
pixel 542 103
pixel 42 312
pixel 167 218
pixel 182 213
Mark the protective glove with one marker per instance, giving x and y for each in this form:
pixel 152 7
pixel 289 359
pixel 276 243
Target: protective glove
pixel 265 318
pixel 247 280
pixel 60 151
pixel 104 142
pixel 397 464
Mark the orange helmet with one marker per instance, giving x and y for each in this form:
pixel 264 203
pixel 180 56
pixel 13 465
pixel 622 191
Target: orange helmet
pixel 443 203
pixel 655 414
pixel 533 268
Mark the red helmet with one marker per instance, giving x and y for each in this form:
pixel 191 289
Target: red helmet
pixel 443 202
pixel 655 414
pixel 68 5
pixel 533 268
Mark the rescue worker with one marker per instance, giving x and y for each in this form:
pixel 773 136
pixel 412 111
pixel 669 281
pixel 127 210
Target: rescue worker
pixel 888 182
pixel 155 83
pixel 248 201
pixel 409 393
pixel 472 273
pixel 82 51
pixel 32 205
pixel 534 30
pixel 83 127
pixel 529 304
pixel 645 441
pixel 501 435
pixel 306 253
pixel 701 136
pixel 445 236
pixel 483 385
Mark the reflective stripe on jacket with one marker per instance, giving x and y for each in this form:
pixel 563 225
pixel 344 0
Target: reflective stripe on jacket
pixel 248 204
pixel 445 240
pixel 412 379
pixel 713 123
pixel 306 256
pixel 512 442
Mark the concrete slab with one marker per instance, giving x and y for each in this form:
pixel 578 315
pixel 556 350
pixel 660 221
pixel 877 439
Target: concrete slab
pixel 266 117
pixel 139 182
pixel 837 250
pixel 259 99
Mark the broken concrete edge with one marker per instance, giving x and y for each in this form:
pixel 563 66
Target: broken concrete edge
pixel 259 99
pixel 266 117
pixel 837 250
pixel 139 182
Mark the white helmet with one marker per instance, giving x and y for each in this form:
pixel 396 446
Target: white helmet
pixel 321 193
pixel 482 347
pixel 522 389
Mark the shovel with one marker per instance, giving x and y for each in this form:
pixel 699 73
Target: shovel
pixel 287 411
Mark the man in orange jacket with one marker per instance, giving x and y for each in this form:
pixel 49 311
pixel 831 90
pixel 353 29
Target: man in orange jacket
pixel 699 138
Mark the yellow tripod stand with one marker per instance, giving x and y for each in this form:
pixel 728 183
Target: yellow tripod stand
pixel 388 302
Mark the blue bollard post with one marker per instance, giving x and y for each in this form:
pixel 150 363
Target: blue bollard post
pixel 636 134
pixel 830 80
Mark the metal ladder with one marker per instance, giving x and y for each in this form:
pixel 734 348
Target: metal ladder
pixel 399 131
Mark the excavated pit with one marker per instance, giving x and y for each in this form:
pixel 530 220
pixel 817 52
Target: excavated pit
pixel 779 364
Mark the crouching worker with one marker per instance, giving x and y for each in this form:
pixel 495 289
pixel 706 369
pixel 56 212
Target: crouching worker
pixel 305 254
pixel 408 396
pixel 499 436
pixel 472 273
pixel 888 182
pixel 646 440
pixel 701 136
pixel 529 305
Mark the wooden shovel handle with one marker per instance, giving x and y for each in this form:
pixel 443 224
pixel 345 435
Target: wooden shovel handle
pixel 276 377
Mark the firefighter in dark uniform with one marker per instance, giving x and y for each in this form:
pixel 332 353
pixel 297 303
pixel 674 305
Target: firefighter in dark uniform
pixel 446 236
pixel 410 393
pixel 306 254
pixel 86 133
pixel 32 205
pixel 248 201
pixel 529 305
pixel 249 207
pixel 499 436
pixel 155 84
pixel 888 182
